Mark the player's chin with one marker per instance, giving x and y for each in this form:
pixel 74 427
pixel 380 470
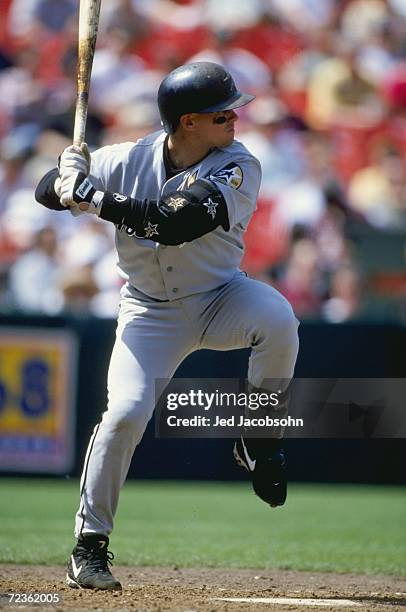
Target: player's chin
pixel 228 138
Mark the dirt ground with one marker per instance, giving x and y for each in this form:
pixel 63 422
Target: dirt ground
pixel 185 590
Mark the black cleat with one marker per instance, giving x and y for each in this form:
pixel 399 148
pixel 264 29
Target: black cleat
pixel 88 566
pixel 266 462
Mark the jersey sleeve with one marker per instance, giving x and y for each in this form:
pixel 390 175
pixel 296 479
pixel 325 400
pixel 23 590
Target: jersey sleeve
pixel 239 183
pixel 108 164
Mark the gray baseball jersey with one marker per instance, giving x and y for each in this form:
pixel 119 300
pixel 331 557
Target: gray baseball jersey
pixel 171 272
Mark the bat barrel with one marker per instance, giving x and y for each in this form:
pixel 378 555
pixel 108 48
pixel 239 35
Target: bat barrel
pixel 88 26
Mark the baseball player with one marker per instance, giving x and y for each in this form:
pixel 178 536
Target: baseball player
pixel 180 200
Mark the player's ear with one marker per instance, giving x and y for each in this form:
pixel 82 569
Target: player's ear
pixel 188 122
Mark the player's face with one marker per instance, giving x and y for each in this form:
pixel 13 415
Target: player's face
pixel 216 129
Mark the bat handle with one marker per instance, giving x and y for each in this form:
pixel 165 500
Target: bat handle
pixel 79 130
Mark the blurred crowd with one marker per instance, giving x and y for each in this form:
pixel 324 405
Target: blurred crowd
pixel 328 125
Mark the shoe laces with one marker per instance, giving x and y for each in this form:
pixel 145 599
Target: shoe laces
pixel 97 558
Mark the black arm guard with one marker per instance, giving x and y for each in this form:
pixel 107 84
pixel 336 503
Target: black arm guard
pixel 45 192
pixel 179 217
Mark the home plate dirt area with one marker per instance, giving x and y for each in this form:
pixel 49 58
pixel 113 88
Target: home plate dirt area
pixel 185 590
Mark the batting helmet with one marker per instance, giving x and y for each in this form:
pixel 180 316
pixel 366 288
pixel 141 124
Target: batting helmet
pixel 202 87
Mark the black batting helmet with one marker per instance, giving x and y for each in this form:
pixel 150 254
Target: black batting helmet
pixel 201 87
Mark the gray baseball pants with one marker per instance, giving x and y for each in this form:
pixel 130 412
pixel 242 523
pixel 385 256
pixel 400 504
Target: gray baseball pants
pixel 152 339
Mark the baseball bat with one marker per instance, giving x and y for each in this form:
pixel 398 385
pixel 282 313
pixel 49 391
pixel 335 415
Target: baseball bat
pixel 89 12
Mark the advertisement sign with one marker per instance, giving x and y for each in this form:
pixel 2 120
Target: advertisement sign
pixel 37 399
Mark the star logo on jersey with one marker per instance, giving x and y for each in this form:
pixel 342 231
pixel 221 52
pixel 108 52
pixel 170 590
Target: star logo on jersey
pixel 231 175
pixel 176 202
pixel 151 230
pixel 211 207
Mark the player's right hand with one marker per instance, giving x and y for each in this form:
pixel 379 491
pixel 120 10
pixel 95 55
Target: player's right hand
pixel 73 160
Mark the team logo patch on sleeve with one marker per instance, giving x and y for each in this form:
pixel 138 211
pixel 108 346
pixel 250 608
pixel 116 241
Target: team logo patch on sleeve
pixel 231 175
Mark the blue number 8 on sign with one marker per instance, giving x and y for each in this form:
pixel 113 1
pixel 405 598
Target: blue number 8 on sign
pixel 34 388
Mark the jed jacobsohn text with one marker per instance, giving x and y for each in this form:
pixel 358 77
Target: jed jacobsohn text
pixel 205 400
pixel 233 421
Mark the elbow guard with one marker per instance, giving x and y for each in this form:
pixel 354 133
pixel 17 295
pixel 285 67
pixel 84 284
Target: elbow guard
pixel 179 217
pixel 45 192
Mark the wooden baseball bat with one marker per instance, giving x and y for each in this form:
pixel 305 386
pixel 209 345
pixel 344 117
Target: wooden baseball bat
pixel 88 25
